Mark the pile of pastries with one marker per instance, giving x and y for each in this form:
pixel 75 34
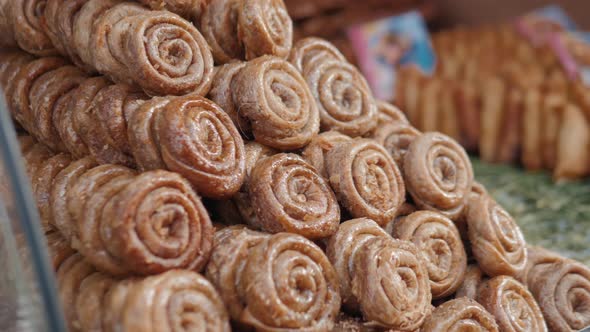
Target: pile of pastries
pixel 504 97
pixel 198 171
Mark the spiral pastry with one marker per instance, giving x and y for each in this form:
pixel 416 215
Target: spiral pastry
pixel 473 278
pixel 460 315
pixel 315 152
pixel 82 28
pixel 239 209
pixel 70 274
pixel 145 224
pixel 177 300
pixel 562 290
pixel 228 259
pixel 438 174
pixel 19 89
pixel 26 16
pixel 59 20
pixel 512 305
pixel 163 53
pixel 219 25
pixel 71 122
pixel 366 180
pixel 107 50
pixel 311 49
pixel 59 248
pixel 391 284
pixel 288 283
pixel 192 136
pixel 342 248
pixel 221 93
pixel 396 139
pixel 189 9
pixel 496 240
pixel 42 181
pixel 288 195
pixel 103 125
pixel 265 27
pixel 440 247
pixel 388 113
pixel 61 186
pixel 89 300
pixel 273 96
pixel 48 97
pixel 343 97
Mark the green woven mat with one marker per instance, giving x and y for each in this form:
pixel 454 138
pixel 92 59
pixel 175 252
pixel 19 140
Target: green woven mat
pixel 555 216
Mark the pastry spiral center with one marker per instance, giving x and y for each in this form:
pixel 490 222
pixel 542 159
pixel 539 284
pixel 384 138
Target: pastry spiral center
pixel 505 228
pixel 285 97
pixel 372 179
pixel 572 296
pixel 518 311
pixel 400 283
pixel 298 280
pixel 170 50
pixel 165 230
pixel 34 10
pixel 305 197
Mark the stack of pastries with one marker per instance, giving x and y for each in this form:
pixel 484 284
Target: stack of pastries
pixel 270 192
pixel 504 97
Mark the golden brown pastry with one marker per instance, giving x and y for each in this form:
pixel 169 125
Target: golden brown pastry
pixel 396 138
pixel 222 94
pixel 42 183
pixel 561 288
pixel 47 98
pixel 70 275
pixel 62 184
pixel 391 284
pixel 26 17
pixel 265 27
pixel 144 225
pixel 440 247
pixel 103 125
pixel 229 257
pixel 283 281
pixel 496 240
pixel 189 9
pixel 307 50
pixel 10 64
pixel 183 63
pixel 177 300
pixel 472 280
pixel 512 305
pixel 343 97
pixel 219 25
pixel 342 248
pixel 389 114
pixel 532 131
pixel 73 121
pixel 288 195
pixel 460 315
pixel 438 174
pixel 89 301
pixel 19 89
pixel 315 152
pixel 273 96
pixel 247 29
pixel 192 136
pixel 491 117
pixel 366 180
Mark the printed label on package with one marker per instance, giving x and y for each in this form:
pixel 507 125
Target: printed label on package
pixel 384 45
pixel 539 25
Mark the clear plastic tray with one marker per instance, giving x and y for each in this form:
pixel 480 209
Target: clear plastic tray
pixel 28 296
